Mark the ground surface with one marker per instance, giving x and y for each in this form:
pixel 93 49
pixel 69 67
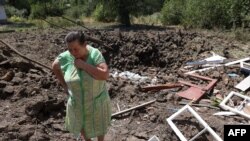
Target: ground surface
pixel 33 104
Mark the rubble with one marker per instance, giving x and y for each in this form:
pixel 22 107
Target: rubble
pixel 35 99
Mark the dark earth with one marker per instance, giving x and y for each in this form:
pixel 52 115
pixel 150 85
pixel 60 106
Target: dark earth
pixel 33 103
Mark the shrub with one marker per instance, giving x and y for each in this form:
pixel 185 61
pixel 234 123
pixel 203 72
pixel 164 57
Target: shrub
pixel 75 12
pixel 42 10
pixel 172 12
pixel 206 14
pixel 100 14
pixel 12 11
pixel 37 11
pixel 16 19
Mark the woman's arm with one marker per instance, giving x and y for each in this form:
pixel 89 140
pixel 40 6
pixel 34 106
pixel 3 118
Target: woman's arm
pixel 57 70
pixel 99 72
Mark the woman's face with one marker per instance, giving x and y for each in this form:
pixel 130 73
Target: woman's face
pixel 77 50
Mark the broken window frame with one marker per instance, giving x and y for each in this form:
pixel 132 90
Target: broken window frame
pixel 201 121
pixel 226 107
pixel 245 69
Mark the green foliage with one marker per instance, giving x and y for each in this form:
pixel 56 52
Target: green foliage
pixel 75 12
pixel 37 11
pixel 102 14
pixel 191 13
pixel 16 19
pixel 153 19
pixel 215 101
pixel 146 7
pixel 238 10
pixel 22 5
pixel 42 10
pixel 205 14
pixel 12 11
pixel 172 11
pixel 124 9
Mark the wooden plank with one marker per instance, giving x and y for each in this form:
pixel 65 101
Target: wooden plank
pixel 192 93
pixel 160 87
pixel 133 108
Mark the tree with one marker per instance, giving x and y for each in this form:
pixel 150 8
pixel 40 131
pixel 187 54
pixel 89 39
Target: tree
pixel 126 8
pixel 20 5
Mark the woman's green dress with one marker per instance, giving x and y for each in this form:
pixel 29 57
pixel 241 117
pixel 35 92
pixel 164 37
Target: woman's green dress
pixel 88 107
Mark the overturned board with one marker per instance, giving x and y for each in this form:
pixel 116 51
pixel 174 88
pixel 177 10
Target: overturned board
pixel 192 93
pixel 244 84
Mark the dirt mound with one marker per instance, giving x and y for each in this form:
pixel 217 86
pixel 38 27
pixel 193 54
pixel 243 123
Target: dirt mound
pixel 28 99
pixel 34 104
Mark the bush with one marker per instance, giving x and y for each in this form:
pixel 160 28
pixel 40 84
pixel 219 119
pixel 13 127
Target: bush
pixel 172 12
pixel 75 12
pixel 20 7
pixel 16 19
pixel 42 10
pixel 37 11
pixel 55 9
pixel 239 11
pixel 12 11
pixel 205 14
pixel 100 14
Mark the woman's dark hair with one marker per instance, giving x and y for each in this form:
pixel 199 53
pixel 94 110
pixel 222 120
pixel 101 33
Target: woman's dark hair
pixel 75 35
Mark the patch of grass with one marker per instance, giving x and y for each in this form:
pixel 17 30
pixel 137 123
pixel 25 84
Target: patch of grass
pixel 154 19
pixel 242 35
pixel 21 24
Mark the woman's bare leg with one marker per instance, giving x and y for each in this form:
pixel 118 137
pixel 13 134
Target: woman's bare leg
pixel 83 136
pixel 101 138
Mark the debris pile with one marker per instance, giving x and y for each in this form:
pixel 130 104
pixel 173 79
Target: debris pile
pixel 151 79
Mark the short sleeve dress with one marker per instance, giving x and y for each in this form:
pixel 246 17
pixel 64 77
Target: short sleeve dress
pixel 88 106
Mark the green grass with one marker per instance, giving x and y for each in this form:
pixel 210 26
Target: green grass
pixel 22 24
pixel 154 19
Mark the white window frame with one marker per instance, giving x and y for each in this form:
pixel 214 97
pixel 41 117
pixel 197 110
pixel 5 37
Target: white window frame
pixel 201 121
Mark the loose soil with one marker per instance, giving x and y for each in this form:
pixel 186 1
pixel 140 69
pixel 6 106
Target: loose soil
pixel 33 103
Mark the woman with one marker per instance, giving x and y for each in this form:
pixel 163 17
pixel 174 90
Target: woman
pixel 82 72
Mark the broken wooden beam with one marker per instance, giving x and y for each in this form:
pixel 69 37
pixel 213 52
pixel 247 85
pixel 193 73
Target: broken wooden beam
pixel 23 56
pixel 195 92
pixel 208 87
pixel 133 108
pixel 160 87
